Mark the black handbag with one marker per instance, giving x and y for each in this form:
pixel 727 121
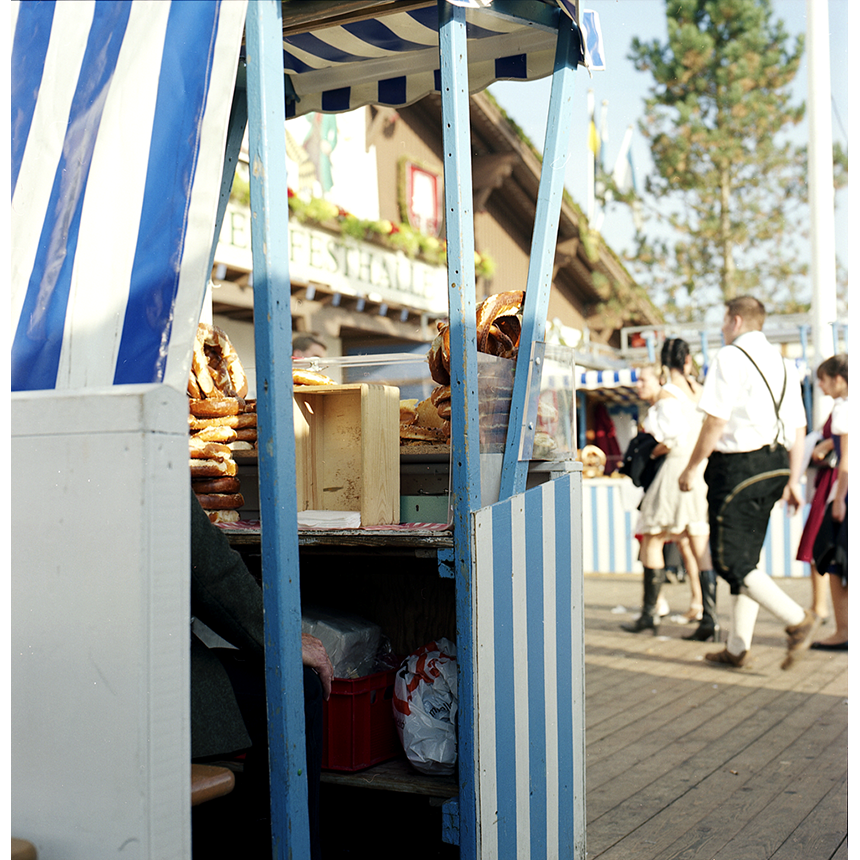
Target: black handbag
pixel 637 464
pixel 830 549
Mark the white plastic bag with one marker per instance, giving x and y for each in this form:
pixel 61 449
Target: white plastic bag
pixel 425 707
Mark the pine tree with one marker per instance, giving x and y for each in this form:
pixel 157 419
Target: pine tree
pixel 728 180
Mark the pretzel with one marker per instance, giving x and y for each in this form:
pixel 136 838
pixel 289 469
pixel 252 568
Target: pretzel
pixel 216 485
pixel 216 434
pixel 240 421
pixel 225 517
pixel 439 356
pixel 216 370
pixel 220 501
pixel 497 321
pixel 201 468
pixel 214 407
pixel 498 325
pixel 202 450
pixel 414 433
pixel 310 377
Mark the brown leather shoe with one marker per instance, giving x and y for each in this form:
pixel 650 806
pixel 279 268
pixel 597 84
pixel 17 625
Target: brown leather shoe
pixel 726 656
pixel 800 637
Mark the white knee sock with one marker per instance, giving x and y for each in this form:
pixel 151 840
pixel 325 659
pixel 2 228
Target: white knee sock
pixel 744 613
pixel 761 588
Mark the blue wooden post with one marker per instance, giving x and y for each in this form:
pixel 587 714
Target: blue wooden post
pixel 649 342
pixel 582 419
pixel 273 335
pixel 542 257
pixel 465 449
pixel 703 342
pixel 806 384
pixel 235 133
pixel 835 328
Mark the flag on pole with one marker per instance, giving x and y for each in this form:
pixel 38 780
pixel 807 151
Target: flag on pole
pixel 594 147
pixel 593 139
pixel 600 170
pixel 592 37
pixel 624 176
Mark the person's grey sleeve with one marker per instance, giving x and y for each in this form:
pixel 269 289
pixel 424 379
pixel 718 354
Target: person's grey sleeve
pixel 224 594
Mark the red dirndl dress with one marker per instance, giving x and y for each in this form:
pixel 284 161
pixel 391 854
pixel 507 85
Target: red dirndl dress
pixel 824 481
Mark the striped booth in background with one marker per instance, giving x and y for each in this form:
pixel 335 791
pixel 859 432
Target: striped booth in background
pixel 609 543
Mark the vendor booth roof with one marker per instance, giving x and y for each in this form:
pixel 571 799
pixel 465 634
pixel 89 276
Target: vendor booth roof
pixel 387 54
pixel 612 386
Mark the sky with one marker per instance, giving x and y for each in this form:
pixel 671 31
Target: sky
pixel 625 89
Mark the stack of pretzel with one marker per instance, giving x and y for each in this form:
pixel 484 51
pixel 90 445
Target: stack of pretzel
pixel 422 423
pixel 221 422
pixel 498 320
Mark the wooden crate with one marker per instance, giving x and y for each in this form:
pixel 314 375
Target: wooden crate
pixel 348 450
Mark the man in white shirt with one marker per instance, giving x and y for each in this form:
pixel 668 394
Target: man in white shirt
pixel 753 436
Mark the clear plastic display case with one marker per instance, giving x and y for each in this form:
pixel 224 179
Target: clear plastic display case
pixel 550 419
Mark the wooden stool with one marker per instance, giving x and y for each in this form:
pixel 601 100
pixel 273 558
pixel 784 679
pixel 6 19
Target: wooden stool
pixel 207 783
pixel 23 850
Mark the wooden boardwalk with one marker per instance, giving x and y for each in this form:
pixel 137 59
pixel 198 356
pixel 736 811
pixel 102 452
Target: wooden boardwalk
pixel 686 760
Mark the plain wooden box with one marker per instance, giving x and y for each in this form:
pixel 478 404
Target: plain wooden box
pixel 348 450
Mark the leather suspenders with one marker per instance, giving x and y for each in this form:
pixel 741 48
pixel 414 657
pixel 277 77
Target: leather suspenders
pixel 776 406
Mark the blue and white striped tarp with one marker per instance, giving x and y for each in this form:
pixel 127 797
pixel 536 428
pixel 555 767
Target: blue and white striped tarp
pixel 393 60
pixel 119 119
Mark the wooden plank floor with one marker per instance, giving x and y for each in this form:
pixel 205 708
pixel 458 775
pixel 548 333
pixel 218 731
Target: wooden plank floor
pixel 686 760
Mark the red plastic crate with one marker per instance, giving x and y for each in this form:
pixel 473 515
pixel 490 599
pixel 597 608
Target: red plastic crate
pixel 358 724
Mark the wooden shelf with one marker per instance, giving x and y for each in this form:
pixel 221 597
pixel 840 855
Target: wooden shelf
pixel 357 539
pixel 395 775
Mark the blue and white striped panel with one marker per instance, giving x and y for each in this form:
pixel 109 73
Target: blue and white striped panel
pixel 608 529
pixel 778 555
pixel 609 543
pixel 529 675
pixel 119 118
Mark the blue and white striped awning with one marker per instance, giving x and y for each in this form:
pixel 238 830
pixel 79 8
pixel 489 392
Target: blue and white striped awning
pixel 619 386
pixel 393 60
pixel 119 121
pixel 610 386
pixel 594 379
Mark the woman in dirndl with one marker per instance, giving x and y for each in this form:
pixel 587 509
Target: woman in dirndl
pixel 830 549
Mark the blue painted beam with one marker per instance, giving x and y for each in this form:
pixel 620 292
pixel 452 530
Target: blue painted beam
pixel 465 447
pixel 582 419
pixel 806 382
pixel 277 468
pixel 235 133
pixel 550 191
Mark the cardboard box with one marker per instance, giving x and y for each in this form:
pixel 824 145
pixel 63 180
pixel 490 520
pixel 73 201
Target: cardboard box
pixel 348 450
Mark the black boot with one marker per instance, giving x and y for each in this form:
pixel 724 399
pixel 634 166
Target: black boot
pixel 652 582
pixel 709 627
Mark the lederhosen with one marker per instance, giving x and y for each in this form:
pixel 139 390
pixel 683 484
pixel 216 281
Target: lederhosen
pixel 742 490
